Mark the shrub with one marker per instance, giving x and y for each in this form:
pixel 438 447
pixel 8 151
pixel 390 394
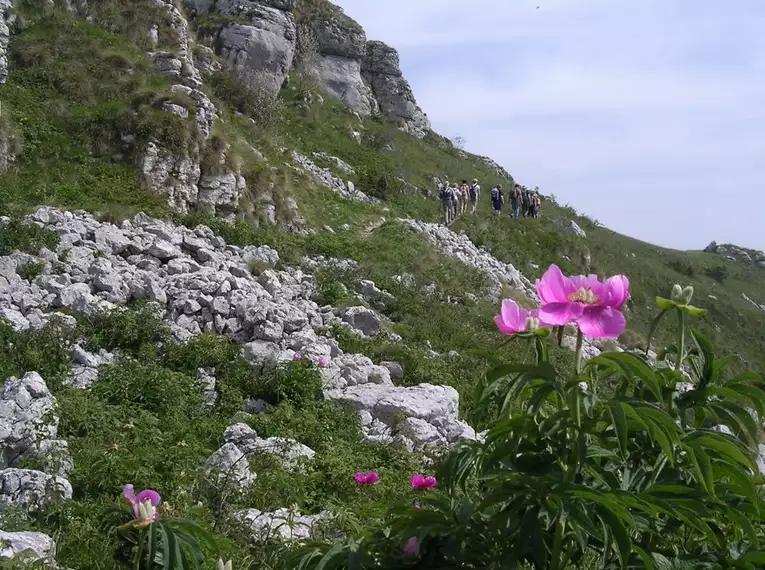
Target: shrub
pixel 19 235
pixel 127 329
pixel 719 273
pixel 251 93
pixel 298 382
pixel 30 270
pixel 682 267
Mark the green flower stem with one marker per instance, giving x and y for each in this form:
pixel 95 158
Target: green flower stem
pixel 579 342
pixel 680 339
pixel 555 560
pixel 138 552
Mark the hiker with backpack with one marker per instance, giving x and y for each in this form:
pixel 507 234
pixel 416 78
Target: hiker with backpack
pixel 475 190
pixel 537 204
pixel 515 201
pixel 464 196
pixel 446 197
pixel 497 199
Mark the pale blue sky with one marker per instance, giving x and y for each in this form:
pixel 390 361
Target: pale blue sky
pixel 648 115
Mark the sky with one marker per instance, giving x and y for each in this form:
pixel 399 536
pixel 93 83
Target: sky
pixel 646 115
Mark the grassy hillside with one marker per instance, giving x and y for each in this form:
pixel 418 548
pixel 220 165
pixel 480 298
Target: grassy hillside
pixel 74 88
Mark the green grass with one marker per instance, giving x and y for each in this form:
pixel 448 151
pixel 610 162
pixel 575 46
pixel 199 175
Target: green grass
pixel 75 88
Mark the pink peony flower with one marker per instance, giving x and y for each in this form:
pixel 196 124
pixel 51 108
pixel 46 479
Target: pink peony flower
pixel 420 481
pixel 324 361
pixel 297 356
pixel 143 505
pixel 592 304
pixel 514 319
pixel 412 546
pixel 366 478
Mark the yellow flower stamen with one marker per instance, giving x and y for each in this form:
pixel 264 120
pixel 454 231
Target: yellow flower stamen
pixel 585 296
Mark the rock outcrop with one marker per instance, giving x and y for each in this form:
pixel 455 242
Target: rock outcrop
pixel 336 67
pixel 22 548
pixel 263 43
pixel 460 247
pixel 201 284
pixel 7 20
pixel 382 71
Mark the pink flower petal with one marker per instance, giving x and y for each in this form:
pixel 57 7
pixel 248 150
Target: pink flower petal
pixel 617 290
pixel 554 287
pixel 418 481
pixel 372 478
pixel 559 314
pixel 412 546
pixel 128 493
pixel 430 482
pixel 360 478
pixel 602 322
pixel 503 327
pixel 513 315
pixel 150 495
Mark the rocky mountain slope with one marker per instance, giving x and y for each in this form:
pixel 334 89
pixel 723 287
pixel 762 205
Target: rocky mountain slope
pixel 220 276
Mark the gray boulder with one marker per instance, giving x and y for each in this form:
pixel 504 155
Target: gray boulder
pixel 32 490
pixel 264 47
pixel 281 524
pixel 26 548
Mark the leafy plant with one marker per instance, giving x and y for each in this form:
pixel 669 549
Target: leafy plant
pixel 618 465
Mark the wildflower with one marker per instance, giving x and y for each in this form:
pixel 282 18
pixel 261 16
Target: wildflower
pixel 144 505
pixel 223 565
pixel 514 319
pixel 412 546
pixel 420 481
pixel 366 478
pixel 592 304
pixel 324 361
pixel 680 298
pixel 297 356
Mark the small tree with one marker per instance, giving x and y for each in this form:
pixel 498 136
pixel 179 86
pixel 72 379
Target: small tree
pixel 459 142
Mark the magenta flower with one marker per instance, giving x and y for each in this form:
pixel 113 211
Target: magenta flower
pixel 366 478
pixel 412 546
pixel 421 482
pixel 514 319
pixel 297 356
pixel 592 304
pixel 143 505
pixel 324 361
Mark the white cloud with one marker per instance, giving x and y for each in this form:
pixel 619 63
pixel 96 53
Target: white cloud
pixel 631 111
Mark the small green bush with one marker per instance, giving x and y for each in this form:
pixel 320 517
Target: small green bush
pixel 30 270
pixel 19 235
pixel 719 273
pixel 126 329
pixel 297 382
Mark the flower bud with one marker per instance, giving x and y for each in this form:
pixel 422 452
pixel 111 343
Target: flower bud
pixel 677 293
pixel 687 295
pixel 223 565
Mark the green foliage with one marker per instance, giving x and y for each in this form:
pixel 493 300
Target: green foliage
pixel 29 238
pixel 127 329
pixel 169 544
pixel 46 351
pixel 30 270
pixel 719 273
pixel 297 382
pixel 618 464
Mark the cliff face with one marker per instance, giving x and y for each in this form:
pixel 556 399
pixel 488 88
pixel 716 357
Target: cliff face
pixel 382 71
pixel 336 65
pixel 262 36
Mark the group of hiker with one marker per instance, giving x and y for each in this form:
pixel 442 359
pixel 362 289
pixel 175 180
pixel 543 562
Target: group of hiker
pixel 455 198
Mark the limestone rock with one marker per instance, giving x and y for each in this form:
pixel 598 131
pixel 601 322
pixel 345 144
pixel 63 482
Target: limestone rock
pixel 381 69
pixel 174 176
pixel 281 524
pixel 266 46
pixel 7 20
pixel 26 547
pixel 32 490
